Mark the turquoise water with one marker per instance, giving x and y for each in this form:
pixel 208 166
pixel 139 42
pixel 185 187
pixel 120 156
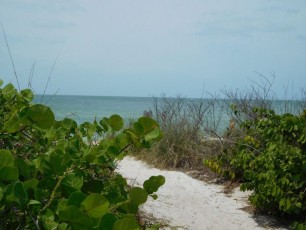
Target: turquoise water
pixel 87 108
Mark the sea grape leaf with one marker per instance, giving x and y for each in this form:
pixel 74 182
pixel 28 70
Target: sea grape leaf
pixel 27 94
pixel 6 158
pixel 126 224
pixel 42 115
pixel 138 129
pixel 34 202
pixel 20 193
pixel 113 150
pixel 62 226
pixel 9 173
pixel 9 193
pixel 122 140
pixel 104 123
pixel 48 221
pixel 14 124
pixel 92 186
pixel 72 183
pixel 76 198
pixel 59 162
pixel 24 167
pixel 153 183
pixel 147 123
pixel 9 91
pixel 107 221
pixel 69 123
pixel 30 184
pixel 156 133
pixel 95 205
pixel 91 130
pixel 116 122
pixel 77 218
pixel 132 135
pixel 138 195
pixel 47 182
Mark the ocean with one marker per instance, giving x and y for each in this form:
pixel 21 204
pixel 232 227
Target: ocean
pixel 89 108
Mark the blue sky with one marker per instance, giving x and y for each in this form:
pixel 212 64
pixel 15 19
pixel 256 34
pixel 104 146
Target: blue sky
pixel 145 48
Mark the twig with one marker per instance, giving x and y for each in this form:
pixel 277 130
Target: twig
pixel 31 76
pixel 49 77
pixel 34 220
pixel 53 194
pixel 8 48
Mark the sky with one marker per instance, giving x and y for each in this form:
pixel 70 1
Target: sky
pixel 149 48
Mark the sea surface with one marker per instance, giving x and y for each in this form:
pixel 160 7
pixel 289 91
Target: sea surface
pixel 89 108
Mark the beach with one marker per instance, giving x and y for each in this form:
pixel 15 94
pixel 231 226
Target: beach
pixel 187 203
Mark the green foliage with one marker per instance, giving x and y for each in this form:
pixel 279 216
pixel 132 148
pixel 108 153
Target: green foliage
pixel 270 160
pixel 54 176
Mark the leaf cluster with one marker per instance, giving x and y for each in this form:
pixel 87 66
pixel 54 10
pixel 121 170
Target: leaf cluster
pixel 270 160
pixel 60 175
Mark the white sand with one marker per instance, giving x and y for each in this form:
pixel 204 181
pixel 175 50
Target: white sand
pixel 186 203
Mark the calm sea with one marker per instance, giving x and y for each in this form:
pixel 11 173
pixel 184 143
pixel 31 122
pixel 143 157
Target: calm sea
pixel 89 108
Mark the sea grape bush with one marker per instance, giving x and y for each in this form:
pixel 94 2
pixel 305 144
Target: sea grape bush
pixel 270 159
pixel 53 176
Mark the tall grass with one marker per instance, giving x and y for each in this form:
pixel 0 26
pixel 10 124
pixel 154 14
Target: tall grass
pixel 197 129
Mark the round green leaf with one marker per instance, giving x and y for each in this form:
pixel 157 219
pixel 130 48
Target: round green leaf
pixel 126 224
pixel 72 183
pixel 69 123
pixel 147 123
pixel 6 158
pixel 42 115
pixel 76 198
pixel 95 205
pixel 27 94
pixel 9 173
pixel 76 217
pixel 30 184
pixel 14 124
pixel 20 193
pixel 116 122
pixel 9 91
pixel 153 183
pixel 104 123
pixel 155 134
pixel 107 222
pixel 138 195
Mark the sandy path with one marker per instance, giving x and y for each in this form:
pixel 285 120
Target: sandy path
pixel 191 204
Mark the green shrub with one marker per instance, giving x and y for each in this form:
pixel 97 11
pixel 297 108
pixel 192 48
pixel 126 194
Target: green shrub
pixel 53 176
pixel 270 160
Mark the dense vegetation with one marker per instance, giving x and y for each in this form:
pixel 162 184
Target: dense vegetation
pixel 269 158
pixel 264 147
pixel 54 175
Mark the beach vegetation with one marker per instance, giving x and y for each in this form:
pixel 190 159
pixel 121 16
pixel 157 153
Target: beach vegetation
pixel 263 147
pixel 182 121
pixel 269 160
pixel 54 175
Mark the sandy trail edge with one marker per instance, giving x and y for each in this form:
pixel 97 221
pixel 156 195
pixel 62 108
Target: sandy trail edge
pixel 191 204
